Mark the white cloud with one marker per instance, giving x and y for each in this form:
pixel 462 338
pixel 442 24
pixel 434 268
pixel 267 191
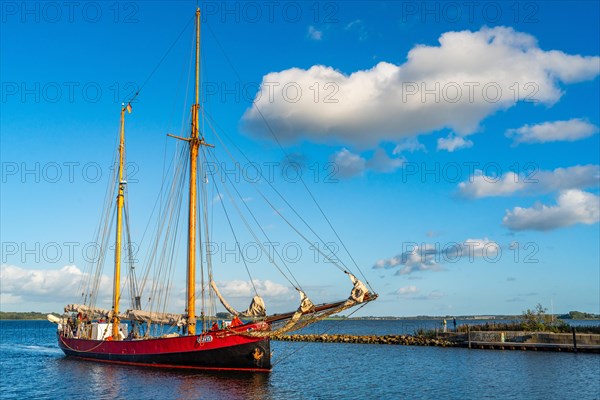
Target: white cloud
pixel 20 285
pixel 430 257
pixel 314 33
pixel 410 144
pixel 532 182
pixel 349 164
pixel 411 292
pixel 413 258
pixel 381 162
pixel 573 207
pixel 278 298
pixel 245 289
pixel 453 142
pixel 406 290
pixel 480 185
pixel 479 248
pixel 21 282
pixel 470 73
pixel 569 131
pixel 9 298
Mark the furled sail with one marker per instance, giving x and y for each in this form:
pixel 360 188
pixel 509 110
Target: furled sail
pixel 359 290
pixel 156 317
pixel 306 306
pixel 307 309
pixel 92 312
pixel 256 308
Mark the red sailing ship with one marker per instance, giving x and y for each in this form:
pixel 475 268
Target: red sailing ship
pixel 188 340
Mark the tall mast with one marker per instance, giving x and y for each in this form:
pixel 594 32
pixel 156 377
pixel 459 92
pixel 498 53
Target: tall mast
pixel 194 144
pixel 120 202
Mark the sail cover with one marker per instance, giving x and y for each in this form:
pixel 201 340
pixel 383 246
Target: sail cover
pixel 91 311
pixel 156 317
pixel 359 290
pixel 136 315
pixel 306 314
pixel 256 308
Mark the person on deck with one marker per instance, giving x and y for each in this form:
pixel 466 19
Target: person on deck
pixel 131 335
pixel 235 322
pixel 215 327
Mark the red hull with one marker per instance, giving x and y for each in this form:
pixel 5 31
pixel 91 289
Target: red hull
pixel 213 350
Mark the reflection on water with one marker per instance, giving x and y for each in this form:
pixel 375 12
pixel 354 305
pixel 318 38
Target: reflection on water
pixel 110 381
pixel 32 366
pixel 236 385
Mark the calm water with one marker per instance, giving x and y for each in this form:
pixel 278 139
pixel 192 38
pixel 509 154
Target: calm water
pixel 32 366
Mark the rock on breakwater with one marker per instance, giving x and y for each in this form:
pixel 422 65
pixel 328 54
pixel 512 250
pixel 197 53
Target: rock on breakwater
pixel 405 340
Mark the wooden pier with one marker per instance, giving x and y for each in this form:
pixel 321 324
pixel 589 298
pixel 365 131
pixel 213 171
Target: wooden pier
pixel 560 347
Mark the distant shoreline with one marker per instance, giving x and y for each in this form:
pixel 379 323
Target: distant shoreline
pixel 24 316
pixel 39 316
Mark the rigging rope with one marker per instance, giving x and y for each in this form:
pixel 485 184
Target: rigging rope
pixel 236 239
pixel 283 357
pixel 342 267
pixel 287 157
pixel 161 60
pixel 295 283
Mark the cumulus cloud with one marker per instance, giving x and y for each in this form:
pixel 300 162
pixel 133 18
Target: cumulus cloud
pixel 532 182
pixel 431 257
pixel 572 207
pixel 34 285
pixel 415 258
pixel 453 85
pixel 350 164
pixel 567 131
pixel 478 248
pixel 453 142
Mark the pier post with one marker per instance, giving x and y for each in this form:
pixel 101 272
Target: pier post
pixel 469 335
pixel 574 340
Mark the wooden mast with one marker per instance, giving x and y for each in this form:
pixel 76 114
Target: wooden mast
pixel 120 202
pixel 194 144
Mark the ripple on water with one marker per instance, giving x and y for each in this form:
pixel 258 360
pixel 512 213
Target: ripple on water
pixel 32 366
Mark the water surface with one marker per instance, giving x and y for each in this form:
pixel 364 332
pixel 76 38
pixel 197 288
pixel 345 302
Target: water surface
pixel 32 366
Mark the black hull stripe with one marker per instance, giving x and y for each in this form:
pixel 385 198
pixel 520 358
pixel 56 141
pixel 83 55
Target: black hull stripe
pixel 238 357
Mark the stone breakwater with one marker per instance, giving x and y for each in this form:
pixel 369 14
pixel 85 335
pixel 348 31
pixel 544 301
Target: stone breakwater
pixel 404 340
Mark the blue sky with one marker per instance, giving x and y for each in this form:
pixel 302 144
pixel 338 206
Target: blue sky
pixel 455 149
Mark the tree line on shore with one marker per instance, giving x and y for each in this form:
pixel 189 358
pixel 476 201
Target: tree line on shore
pixel 536 319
